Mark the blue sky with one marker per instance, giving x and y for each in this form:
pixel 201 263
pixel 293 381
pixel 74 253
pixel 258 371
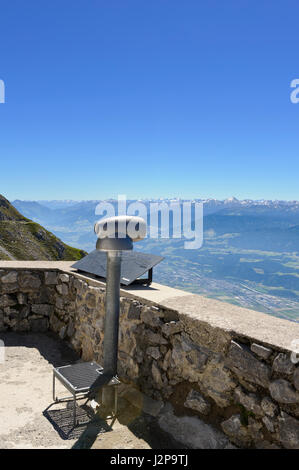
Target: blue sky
pixel 149 99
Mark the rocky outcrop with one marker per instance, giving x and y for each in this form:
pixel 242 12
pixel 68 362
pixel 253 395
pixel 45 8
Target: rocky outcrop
pixel 21 238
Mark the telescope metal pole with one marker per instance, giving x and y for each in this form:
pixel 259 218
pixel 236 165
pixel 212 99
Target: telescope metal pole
pixel 112 312
pixel 111 324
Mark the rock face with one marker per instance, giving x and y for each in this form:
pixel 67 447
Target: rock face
pixel 288 431
pixel 237 432
pixel 269 407
pixel 22 238
pixel 29 282
pixel 218 383
pixel 283 392
pixel 244 364
pixel 261 351
pixel 197 402
pixel 282 364
pixel 250 401
pixel 10 277
pixel 168 357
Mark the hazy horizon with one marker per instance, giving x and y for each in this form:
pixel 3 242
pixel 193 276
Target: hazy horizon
pixel 211 198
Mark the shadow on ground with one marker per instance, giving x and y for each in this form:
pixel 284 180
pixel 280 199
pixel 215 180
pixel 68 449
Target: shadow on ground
pixel 88 428
pixel 50 346
pixel 129 426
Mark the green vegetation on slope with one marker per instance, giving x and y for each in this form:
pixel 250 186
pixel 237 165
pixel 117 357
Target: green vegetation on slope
pixel 22 239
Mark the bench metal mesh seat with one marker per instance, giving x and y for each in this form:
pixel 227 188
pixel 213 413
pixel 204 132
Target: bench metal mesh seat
pixel 84 379
pixel 80 377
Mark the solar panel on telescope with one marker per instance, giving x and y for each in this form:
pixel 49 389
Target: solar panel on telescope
pixel 133 264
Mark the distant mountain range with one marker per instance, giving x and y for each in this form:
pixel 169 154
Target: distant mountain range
pixel 23 239
pixel 261 207
pixel 250 254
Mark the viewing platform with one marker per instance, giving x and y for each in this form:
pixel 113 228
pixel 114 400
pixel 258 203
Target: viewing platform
pixel 230 367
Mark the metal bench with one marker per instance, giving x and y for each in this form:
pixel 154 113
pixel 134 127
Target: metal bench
pixel 83 380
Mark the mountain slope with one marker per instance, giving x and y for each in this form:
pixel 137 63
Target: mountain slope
pixel 22 239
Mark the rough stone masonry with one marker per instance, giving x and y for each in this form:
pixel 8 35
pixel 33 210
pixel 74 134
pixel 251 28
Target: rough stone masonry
pixel 248 389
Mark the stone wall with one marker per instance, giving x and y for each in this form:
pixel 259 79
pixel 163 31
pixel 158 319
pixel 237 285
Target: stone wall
pixel 248 389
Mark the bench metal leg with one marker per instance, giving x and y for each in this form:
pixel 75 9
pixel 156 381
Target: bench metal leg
pixel 54 398
pixel 115 401
pixel 67 399
pixel 74 408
